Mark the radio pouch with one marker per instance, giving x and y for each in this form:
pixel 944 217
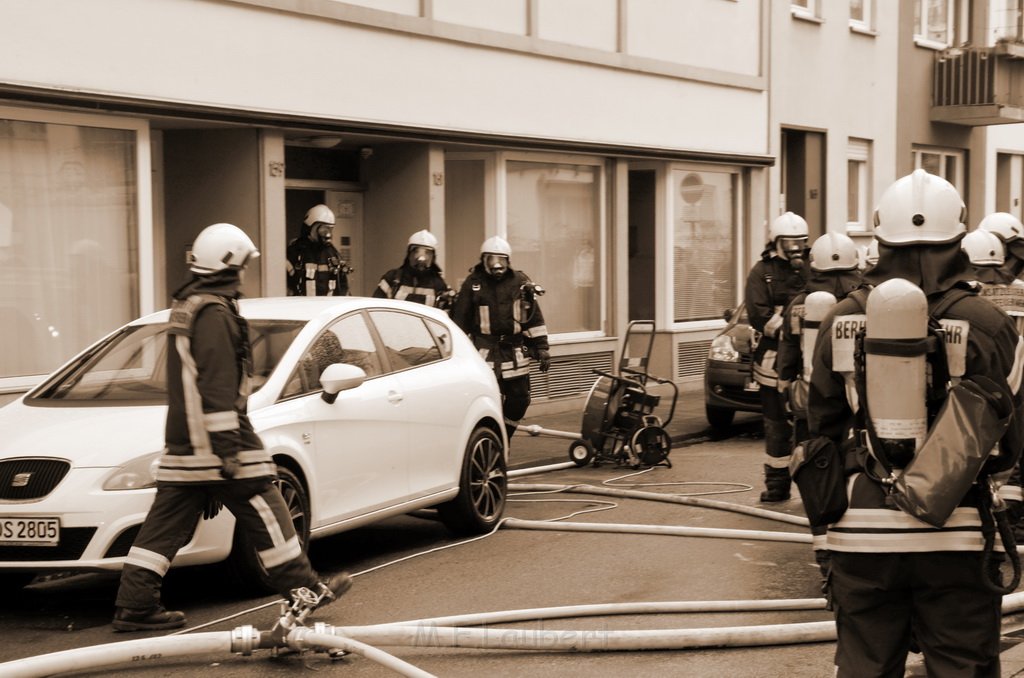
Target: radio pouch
pixel 967 427
pixel 818 469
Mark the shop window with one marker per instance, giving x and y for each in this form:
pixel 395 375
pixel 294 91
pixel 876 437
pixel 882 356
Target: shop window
pixel 69 249
pixel 704 244
pixel 554 228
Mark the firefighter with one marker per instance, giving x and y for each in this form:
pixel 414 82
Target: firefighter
pixel 212 456
pixel 419 277
pixel 834 260
pixel 894 576
pixel 497 307
pixel 772 283
pixel 1009 229
pixel 315 267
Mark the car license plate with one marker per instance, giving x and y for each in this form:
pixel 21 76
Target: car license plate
pixel 751 385
pixel 29 531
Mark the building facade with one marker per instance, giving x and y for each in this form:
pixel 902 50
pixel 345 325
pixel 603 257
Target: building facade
pixel 631 151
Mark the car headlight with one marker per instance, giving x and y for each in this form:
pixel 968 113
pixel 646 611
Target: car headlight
pixel 723 349
pixel 138 474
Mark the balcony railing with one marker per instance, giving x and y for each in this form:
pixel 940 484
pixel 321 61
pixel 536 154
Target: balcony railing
pixel 978 86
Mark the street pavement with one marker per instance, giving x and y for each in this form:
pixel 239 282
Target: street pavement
pixel 687 426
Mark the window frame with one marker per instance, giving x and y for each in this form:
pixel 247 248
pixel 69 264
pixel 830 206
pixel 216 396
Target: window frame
pixel 501 224
pixel 859 150
pixel 810 12
pixel 665 239
pixel 147 237
pixel 957 25
pixel 959 180
pixel 866 24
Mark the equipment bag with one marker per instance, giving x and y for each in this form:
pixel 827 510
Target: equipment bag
pixel 818 469
pixel 967 428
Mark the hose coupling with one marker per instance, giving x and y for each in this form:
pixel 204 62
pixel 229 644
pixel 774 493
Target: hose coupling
pixel 244 639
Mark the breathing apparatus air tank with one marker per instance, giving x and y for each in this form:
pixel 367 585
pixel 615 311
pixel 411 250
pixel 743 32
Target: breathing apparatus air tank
pixel 816 306
pixel 896 369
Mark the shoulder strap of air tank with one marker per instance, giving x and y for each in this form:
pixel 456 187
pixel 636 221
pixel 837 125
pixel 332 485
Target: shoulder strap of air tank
pixel 947 300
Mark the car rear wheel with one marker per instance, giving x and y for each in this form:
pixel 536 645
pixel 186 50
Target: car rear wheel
pixel 244 564
pixel 483 486
pixel 720 418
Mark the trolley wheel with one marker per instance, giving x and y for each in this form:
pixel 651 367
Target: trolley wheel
pixel 651 445
pixel 581 452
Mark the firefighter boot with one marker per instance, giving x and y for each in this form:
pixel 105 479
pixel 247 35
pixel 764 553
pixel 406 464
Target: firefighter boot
pixel 151 619
pixel 776 483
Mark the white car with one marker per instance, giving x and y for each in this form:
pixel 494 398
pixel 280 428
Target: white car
pixel 370 407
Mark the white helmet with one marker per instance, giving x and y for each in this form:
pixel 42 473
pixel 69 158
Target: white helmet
pixel 1004 225
pixel 496 245
pixel 423 238
pixel 834 252
pixel 319 214
pixel 219 247
pixel 919 209
pixel 788 225
pixel 984 248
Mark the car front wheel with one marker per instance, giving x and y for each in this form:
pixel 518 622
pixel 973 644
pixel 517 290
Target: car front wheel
pixel 244 564
pixel 483 486
pixel 720 418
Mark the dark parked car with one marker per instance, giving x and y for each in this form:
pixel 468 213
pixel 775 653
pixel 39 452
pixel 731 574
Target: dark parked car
pixel 729 386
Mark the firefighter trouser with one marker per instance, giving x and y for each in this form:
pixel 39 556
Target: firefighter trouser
pixel 258 508
pixel 778 443
pixel 515 398
pixel 939 597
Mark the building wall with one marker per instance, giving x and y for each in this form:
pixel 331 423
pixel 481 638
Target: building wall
pixel 325 64
pixel 828 77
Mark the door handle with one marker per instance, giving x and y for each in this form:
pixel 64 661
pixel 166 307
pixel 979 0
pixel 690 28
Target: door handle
pixel 395 397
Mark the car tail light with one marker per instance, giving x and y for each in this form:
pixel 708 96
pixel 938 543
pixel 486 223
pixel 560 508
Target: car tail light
pixel 723 350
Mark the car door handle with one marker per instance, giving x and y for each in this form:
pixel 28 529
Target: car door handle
pixel 395 397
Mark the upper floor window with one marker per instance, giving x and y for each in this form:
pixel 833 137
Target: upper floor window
pixel 805 9
pixel 946 163
pixel 858 185
pixel 862 14
pixel 1006 21
pixel 941 23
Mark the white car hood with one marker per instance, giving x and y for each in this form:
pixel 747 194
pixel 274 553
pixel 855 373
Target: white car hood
pixel 88 436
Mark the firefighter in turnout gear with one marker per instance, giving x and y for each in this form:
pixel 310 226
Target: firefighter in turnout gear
pixel 833 273
pixel 896 577
pixel 419 277
pixel 772 283
pixel 213 457
pixel 1010 230
pixel 497 307
pixel 315 267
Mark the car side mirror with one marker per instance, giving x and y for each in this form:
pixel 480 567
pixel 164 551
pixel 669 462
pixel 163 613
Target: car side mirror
pixel 727 314
pixel 339 377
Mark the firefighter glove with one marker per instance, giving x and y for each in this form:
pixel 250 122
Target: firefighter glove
pixel 212 508
pixel 544 358
pixel 229 466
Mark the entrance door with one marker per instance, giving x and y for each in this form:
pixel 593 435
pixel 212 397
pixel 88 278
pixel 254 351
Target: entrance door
pixel 348 238
pixel 348 231
pixel 803 178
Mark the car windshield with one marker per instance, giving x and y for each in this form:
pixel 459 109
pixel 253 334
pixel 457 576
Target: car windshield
pixel 129 367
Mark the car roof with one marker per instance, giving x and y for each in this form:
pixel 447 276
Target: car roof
pixel 303 308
